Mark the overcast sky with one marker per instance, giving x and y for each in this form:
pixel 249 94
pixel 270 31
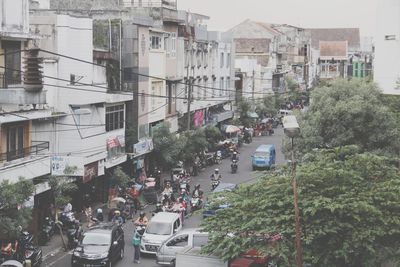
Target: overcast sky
pixel 305 13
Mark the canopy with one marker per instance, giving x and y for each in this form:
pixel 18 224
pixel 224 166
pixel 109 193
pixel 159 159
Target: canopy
pixel 232 129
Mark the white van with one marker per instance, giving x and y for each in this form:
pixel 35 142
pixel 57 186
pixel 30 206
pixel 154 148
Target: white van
pixel 161 227
pixel 185 239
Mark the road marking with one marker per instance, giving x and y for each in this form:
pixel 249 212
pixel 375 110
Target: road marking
pixel 60 258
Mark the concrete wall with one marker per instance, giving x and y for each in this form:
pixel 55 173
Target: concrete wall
pixel 156 69
pixel 387 52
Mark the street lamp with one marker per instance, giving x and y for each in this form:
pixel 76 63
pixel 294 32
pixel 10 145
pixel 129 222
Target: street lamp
pixel 292 129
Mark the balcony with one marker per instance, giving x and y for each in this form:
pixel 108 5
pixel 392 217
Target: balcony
pixel 29 162
pixel 38 147
pixel 12 92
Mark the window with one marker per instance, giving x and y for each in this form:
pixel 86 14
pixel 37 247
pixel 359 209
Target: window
pixel 198 89
pixel 179 241
pixel 155 42
pixel 214 85
pixel 115 117
pixel 153 92
pixel 15 142
pixel 228 60
pixel 173 44
pixel 221 86
pixel 204 89
pixel 200 240
pixel 13 62
pixel 143 100
pixel 222 60
pixel 228 84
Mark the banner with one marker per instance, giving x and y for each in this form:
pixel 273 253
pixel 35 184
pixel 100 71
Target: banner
pixel 90 171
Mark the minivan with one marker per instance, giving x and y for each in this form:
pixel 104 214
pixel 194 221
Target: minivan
pixel 263 157
pixel 161 227
pixel 166 255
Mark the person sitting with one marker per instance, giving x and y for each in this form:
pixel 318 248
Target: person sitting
pixel 167 190
pixel 216 175
pixel 142 220
pixel 197 192
pixel 235 156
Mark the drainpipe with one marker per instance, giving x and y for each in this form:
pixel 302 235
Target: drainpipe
pixel 120 54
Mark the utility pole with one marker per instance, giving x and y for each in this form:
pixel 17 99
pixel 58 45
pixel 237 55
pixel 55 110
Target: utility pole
pixel 253 88
pixel 188 78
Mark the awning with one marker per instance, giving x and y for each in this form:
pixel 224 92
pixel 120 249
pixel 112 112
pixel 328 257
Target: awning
pixel 222 116
pixel 28 116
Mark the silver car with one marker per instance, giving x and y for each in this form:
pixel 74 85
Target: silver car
pixel 187 238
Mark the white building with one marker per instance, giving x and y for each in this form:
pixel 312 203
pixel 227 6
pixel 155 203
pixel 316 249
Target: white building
pixel 387 47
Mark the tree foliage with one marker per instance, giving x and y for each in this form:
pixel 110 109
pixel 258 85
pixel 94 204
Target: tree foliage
pixel 12 211
pixel 350 209
pixel 166 146
pixel 244 108
pixel 195 142
pixel 213 136
pixel 120 178
pixel 62 190
pixel 348 112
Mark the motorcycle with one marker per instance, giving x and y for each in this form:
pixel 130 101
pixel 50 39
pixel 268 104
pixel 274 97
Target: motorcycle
pixel 195 203
pixel 47 231
pixel 218 157
pixel 234 166
pixel 26 251
pixel 67 219
pixel 74 234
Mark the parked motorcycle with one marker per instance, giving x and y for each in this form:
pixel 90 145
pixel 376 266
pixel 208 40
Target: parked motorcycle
pixel 215 183
pixel 195 204
pixel 74 234
pixel 26 251
pixel 234 166
pixel 47 231
pixel 67 219
pixel 218 157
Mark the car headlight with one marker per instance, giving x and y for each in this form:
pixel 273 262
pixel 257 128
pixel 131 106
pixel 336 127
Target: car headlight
pixel 104 255
pixel 145 240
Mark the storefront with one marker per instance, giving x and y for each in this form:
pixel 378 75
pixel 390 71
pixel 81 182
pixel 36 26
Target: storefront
pixel 141 157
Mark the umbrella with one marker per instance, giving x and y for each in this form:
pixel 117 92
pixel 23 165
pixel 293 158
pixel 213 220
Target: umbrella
pixel 232 129
pixel 118 199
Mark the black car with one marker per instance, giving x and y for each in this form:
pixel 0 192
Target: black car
pixel 101 245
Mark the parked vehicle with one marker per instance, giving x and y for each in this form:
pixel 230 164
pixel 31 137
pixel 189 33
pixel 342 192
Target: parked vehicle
pixel 218 157
pixel 74 234
pixel 12 263
pixel 264 157
pixel 101 246
pixel 195 204
pixel 47 230
pixel 185 239
pixel 67 219
pixel 234 166
pixel 160 227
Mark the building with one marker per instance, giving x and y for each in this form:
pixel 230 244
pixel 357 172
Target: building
pixel 387 47
pixel 332 50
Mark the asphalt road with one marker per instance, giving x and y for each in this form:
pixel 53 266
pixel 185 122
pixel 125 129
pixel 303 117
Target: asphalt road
pixel 244 175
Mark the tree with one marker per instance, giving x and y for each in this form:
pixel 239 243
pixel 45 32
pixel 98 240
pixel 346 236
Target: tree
pixel 244 108
pixel 213 136
pixel 349 203
pixel 349 112
pixel 12 211
pixel 120 178
pixel 166 146
pixel 195 142
pixel 62 190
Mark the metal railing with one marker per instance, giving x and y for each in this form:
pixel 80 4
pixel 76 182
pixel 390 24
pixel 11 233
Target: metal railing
pixel 34 149
pixel 7 79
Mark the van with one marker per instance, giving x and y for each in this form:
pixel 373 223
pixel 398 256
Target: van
pixel 161 227
pixel 185 239
pixel 263 157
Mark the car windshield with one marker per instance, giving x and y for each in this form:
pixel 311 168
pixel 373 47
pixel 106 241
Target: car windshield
pixel 200 240
pixel 157 228
pixel 97 239
pixel 261 154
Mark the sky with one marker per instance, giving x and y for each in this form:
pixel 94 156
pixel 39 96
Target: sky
pixel 225 14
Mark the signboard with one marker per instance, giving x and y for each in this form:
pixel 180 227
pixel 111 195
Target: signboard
pixel 143 146
pixel 65 165
pixel 112 142
pixel 90 171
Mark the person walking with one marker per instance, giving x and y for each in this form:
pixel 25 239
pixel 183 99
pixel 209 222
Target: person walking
pixel 88 213
pixel 136 245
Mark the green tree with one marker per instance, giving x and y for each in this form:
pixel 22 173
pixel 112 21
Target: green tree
pixel 195 142
pixel 244 108
pixel 213 136
pixel 63 190
pixel 12 211
pixel 120 178
pixel 166 146
pixel 349 203
pixel 349 112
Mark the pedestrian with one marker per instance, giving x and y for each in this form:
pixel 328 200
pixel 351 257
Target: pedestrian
pixel 136 245
pixel 88 213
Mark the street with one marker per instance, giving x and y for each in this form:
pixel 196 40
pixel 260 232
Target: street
pixel 244 175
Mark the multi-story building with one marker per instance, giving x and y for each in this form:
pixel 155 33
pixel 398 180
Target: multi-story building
pixel 387 47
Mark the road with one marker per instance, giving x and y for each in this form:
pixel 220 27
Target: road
pixel 244 175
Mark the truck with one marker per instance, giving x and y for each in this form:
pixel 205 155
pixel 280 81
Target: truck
pixel 192 257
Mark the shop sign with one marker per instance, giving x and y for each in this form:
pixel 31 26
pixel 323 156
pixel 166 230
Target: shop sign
pixel 143 147
pixel 65 165
pixel 90 171
pixel 198 118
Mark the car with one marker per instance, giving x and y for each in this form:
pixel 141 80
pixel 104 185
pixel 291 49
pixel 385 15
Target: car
pixel 11 263
pixel 222 187
pixel 166 255
pixel 101 245
pixel 160 227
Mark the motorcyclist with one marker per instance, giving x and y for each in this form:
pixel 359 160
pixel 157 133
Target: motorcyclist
pixel 99 215
pixel 167 190
pixel 197 192
pixel 117 217
pixel 235 156
pixel 142 220
pixel 216 175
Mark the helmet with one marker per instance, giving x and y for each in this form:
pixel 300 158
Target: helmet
pixel 117 212
pixel 99 210
pixel 234 152
pixel 197 186
pixel 142 214
pixel 216 170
